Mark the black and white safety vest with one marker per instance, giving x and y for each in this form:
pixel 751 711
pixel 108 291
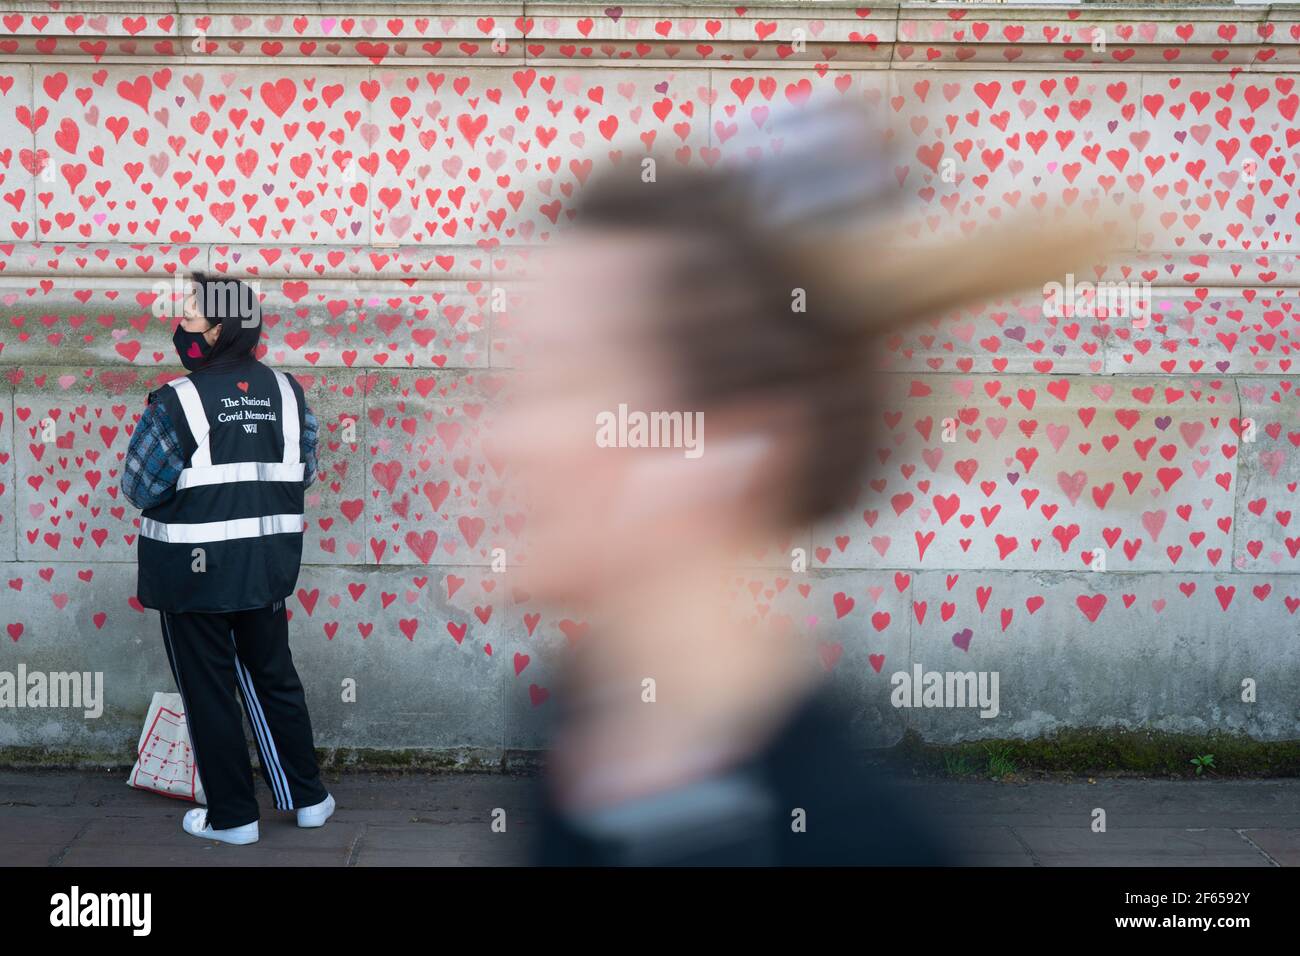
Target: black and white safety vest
pixel 230 539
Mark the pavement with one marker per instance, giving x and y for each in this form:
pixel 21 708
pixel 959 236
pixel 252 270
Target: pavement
pixel 71 818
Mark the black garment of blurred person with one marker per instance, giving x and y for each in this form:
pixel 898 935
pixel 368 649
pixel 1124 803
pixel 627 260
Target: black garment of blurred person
pixel 852 816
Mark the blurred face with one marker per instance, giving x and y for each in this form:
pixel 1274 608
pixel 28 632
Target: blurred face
pixel 598 516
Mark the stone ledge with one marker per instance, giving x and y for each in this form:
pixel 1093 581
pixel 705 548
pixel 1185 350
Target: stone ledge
pixel 910 35
pixel 411 263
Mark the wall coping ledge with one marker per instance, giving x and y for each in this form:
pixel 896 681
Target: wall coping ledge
pixel 789 34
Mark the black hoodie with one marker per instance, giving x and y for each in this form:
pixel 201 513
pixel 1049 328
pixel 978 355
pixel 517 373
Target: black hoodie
pixel 235 305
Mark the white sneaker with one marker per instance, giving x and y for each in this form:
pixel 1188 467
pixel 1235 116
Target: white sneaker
pixel 316 816
pixel 196 823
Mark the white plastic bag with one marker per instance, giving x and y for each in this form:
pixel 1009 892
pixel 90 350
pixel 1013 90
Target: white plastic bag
pixel 164 758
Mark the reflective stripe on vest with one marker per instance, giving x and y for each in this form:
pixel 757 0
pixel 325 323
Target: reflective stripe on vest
pixel 195 417
pixel 208 531
pixel 289 417
pixel 202 472
pixel 241 471
pixel 201 460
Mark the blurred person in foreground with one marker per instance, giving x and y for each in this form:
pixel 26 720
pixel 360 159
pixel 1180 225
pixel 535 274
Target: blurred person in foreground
pixel 676 296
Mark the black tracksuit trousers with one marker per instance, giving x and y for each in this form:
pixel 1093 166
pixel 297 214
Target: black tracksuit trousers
pixel 213 654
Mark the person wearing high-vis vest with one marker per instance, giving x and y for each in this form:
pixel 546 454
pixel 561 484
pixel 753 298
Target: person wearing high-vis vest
pixel 218 464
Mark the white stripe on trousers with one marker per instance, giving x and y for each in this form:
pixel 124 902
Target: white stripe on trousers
pixel 283 797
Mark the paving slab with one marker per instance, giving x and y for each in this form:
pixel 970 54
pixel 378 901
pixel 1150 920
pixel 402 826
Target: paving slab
pixel 72 818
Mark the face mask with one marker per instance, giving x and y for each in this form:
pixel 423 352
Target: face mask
pixel 192 348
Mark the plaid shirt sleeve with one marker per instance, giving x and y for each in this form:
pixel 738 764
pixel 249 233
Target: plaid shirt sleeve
pixel 309 440
pixel 153 459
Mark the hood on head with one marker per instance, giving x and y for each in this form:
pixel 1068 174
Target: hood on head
pixel 235 305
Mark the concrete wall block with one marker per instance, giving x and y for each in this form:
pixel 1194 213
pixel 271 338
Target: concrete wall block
pixel 1189 330
pixel 1205 330
pixel 1043 469
pixel 376 325
pixel 68 488
pixel 539 642
pixel 430 480
pixel 1268 529
pixel 1010 335
pixel 712 25
pixel 81 617
pixel 861 620
pixel 26 170
pixel 742 103
pixel 204 153
pixel 421 649
pixel 440 691
pixel 307 324
pixel 336 502
pixel 68 492
pixel 863 624
pixel 9 524
pixel 980 148
pixel 496 154
pixel 1166 652
pixel 1224 158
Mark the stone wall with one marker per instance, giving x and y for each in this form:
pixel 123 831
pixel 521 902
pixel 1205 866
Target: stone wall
pixel 381 170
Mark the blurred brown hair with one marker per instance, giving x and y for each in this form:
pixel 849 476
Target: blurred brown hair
pixel 725 320
pixel 824 221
